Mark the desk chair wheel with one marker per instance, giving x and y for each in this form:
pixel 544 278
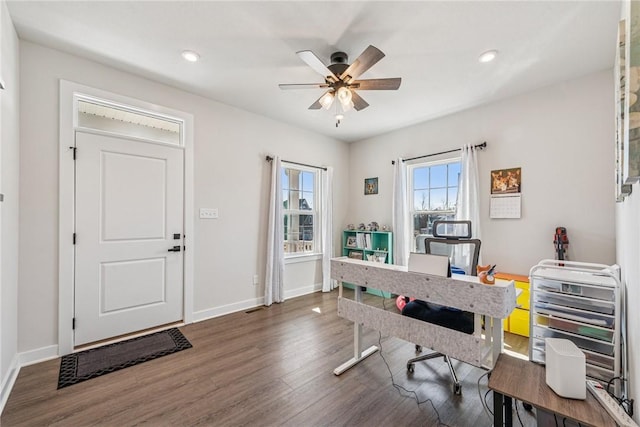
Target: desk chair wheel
pixel 457 389
pixel 418 348
pixel 411 368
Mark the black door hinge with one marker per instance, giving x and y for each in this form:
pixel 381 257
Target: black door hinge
pixel 75 151
pixel 73 324
pixel 74 238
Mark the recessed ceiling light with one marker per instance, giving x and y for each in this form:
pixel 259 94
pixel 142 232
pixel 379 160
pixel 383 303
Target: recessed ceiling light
pixel 488 56
pixel 190 55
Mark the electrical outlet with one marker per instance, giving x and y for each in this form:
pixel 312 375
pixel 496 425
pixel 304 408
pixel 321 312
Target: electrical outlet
pixel 208 213
pixel 255 280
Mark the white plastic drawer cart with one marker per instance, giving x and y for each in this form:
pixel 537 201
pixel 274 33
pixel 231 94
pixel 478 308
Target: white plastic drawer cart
pixel 582 302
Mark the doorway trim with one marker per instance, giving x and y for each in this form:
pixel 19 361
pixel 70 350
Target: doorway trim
pixel 66 199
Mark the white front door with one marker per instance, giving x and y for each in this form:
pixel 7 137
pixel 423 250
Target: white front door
pixel 129 230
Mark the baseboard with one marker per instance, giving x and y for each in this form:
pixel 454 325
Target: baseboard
pixel 38 355
pixel 210 313
pixel 7 385
pixel 199 316
pixel 305 290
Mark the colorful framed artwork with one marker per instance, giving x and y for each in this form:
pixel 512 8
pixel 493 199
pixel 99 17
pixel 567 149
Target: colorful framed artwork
pixel 370 186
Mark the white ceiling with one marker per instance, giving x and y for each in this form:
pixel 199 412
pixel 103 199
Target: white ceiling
pixel 248 48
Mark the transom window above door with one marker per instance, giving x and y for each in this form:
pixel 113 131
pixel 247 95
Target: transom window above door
pixel 105 116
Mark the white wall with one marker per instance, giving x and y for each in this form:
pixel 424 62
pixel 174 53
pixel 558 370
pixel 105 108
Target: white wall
pixel 231 174
pixel 9 140
pixel 562 138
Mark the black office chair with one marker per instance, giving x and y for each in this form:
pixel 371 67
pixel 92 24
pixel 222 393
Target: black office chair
pixel 453 239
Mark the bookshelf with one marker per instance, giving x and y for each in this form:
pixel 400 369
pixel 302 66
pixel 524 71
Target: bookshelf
pixel 374 246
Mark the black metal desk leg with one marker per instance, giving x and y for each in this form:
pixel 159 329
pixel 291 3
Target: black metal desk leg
pixel 502 410
pixel 508 412
pixel 498 407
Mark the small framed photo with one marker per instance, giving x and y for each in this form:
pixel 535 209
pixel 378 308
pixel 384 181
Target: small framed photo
pixel 351 241
pixel 355 255
pixel 370 186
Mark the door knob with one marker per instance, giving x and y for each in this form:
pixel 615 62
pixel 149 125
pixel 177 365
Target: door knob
pixel 174 249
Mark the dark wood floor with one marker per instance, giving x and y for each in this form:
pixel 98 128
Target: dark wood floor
pixel 272 366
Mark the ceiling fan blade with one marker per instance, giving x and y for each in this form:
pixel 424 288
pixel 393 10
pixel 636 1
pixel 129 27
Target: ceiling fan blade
pixel 358 102
pixel 377 84
pixel 314 62
pixel 304 86
pixel 317 105
pixel 366 60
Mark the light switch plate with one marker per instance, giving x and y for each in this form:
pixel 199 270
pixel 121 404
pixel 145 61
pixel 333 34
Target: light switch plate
pixel 208 213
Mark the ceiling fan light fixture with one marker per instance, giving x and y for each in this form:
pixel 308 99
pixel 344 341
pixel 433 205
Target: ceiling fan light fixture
pixel 346 107
pixel 326 100
pixel 488 56
pixel 344 96
pixel 340 80
pixel 190 55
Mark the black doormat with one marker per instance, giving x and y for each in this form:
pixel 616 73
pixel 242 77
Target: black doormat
pixel 84 365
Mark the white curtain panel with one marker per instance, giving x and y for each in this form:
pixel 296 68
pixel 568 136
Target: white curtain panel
pixel 327 229
pixel 274 280
pixel 400 221
pixel 468 202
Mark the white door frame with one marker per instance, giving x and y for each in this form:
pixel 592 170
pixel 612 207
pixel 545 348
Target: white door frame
pixel 66 220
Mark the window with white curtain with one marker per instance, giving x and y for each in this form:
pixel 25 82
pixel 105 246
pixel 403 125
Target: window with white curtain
pixel 433 190
pixel 301 210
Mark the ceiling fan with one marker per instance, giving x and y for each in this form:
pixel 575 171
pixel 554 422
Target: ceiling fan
pixel 340 80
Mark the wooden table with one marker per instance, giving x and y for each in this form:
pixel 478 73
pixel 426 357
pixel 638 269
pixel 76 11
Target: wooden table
pixel 523 380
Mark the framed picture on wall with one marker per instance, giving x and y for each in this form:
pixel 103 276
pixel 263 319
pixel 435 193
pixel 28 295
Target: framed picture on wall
pixel 370 186
pixel 619 70
pixel 622 188
pixel 631 138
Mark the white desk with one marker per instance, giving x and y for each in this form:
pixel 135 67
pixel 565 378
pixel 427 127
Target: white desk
pixel 494 302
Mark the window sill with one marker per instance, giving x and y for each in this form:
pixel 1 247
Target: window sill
pixel 294 259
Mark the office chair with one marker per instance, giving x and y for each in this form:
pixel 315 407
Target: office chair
pixel 452 239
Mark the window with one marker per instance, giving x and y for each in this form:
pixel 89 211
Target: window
pixel 300 210
pixel 433 193
pixel 128 121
